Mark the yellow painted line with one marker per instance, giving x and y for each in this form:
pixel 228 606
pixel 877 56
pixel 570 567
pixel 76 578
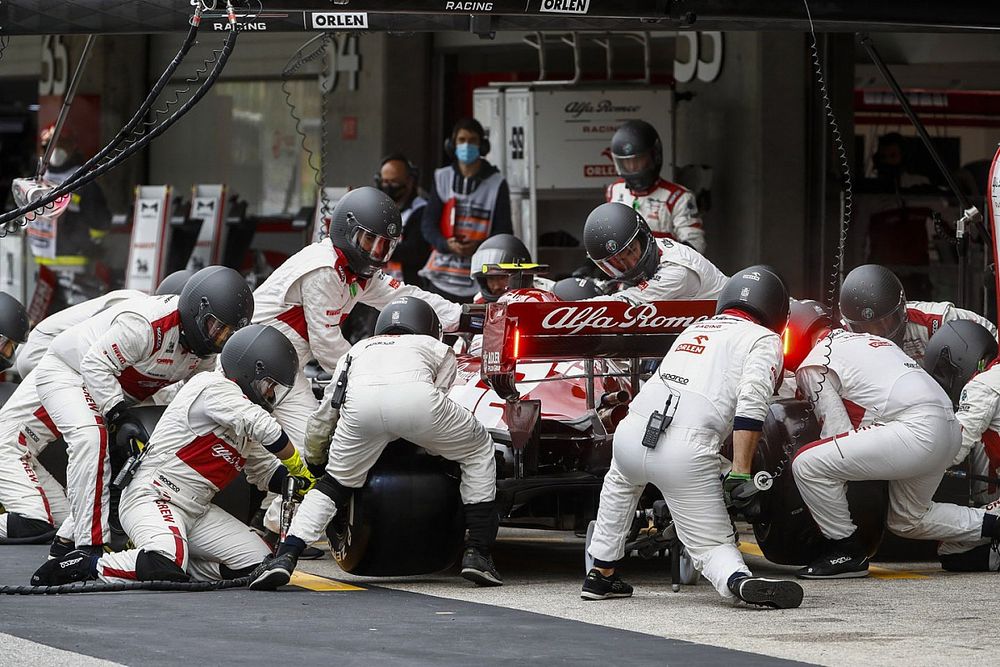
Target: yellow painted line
pixel 873 570
pixel 313 582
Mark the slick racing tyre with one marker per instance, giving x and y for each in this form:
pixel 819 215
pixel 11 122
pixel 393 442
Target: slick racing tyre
pixel 786 533
pixel 407 519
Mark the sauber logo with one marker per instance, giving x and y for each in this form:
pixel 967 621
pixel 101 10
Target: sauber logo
pixel 574 319
pixel 229 456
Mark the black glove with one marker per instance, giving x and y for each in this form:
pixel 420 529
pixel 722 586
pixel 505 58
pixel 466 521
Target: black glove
pixel 742 495
pixel 126 427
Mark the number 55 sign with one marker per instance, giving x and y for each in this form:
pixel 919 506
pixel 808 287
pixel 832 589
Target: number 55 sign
pixel 700 45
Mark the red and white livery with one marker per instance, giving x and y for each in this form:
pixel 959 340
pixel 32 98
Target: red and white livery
pixel 669 209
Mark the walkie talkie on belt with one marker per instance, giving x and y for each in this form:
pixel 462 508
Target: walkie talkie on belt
pixel 340 389
pixel 659 421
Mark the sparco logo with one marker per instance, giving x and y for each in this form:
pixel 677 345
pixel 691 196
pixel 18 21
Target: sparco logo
pixel 169 483
pixel 566 6
pixel 573 319
pixel 602 106
pixel 673 378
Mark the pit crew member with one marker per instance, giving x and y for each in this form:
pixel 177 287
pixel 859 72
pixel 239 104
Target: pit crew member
pixel 620 243
pixel 872 300
pixel 668 208
pixel 717 378
pixel 883 418
pixel 94 372
pixel 206 436
pixel 397 383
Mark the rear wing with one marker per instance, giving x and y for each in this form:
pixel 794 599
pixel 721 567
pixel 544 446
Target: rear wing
pixel 518 332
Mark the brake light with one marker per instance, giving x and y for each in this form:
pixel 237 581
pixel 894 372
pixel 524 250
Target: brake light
pixel 786 339
pixel 517 343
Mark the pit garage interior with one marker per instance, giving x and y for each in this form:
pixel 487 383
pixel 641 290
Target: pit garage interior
pixel 773 126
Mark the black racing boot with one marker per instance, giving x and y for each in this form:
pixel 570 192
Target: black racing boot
pixel 599 587
pixel 483 522
pixel 763 592
pixel 845 559
pixel 60 547
pixel 277 570
pixel 74 566
pixel 309 553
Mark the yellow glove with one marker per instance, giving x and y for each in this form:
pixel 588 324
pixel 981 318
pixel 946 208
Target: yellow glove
pixel 297 468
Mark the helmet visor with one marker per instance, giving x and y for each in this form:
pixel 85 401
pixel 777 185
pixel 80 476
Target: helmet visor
pixel 216 331
pixel 271 391
pixel 625 259
pixel 633 165
pixel 378 248
pixel 7 348
pixel 888 326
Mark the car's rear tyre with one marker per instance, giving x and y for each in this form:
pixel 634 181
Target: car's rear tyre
pixel 407 518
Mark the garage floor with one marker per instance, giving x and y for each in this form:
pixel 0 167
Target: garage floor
pixel 913 614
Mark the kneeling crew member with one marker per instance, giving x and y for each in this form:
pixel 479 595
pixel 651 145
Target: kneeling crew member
pixel 884 418
pixel 717 378
pixel 207 434
pixel 396 387
pixel 959 357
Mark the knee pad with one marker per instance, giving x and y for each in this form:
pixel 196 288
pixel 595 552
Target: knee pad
pixel 334 490
pixel 154 566
pixel 28 531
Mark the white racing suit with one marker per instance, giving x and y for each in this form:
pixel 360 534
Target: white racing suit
pixel 883 418
pixel 33 501
pixel 397 388
pixel 682 274
pixel 307 298
pixel 206 436
pixel 979 415
pixel 124 353
pixel 42 335
pixel 721 373
pixel 669 209
pixel 924 318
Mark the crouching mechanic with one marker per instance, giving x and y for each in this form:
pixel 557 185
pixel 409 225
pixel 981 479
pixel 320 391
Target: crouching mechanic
pixel 46 331
pixel 33 502
pixel 94 372
pixel 956 357
pixel 872 301
pixel 396 387
pixel 717 378
pixel 619 242
pixel 206 436
pixel 883 418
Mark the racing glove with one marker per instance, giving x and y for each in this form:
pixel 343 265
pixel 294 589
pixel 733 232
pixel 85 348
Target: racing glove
pixel 740 494
pixel 126 428
pixel 297 468
pixel 319 429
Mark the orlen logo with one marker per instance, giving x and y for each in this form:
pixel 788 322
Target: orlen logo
pixel 573 319
pixel 565 6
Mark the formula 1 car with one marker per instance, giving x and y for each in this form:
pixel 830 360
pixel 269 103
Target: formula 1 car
pixel 551 386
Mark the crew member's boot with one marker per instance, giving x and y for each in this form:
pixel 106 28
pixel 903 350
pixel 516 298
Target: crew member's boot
pixel 277 570
pixel 845 559
pixel 75 566
pixel 764 592
pixel 483 522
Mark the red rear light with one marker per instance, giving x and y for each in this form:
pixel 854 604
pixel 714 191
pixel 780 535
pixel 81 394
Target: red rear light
pixel 517 343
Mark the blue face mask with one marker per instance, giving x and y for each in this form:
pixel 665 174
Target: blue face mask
pixel 467 153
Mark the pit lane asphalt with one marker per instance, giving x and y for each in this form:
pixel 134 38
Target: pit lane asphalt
pixel 911 614
pixel 376 625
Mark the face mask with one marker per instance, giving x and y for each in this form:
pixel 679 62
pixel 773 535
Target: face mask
pixel 394 190
pixel 467 153
pixel 58 157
